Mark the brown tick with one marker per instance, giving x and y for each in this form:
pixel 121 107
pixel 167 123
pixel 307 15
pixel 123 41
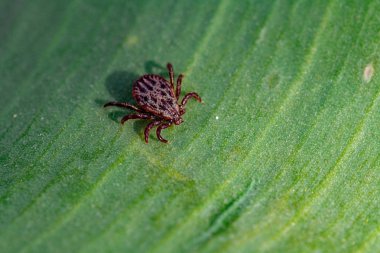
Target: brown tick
pixel 157 101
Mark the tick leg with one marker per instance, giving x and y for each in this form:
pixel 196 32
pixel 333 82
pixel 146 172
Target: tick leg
pixel 171 74
pixel 123 105
pixel 149 127
pixel 158 131
pixel 178 88
pixel 190 95
pixel 136 116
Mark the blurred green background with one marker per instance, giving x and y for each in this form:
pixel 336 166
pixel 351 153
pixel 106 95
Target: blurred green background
pixel 284 156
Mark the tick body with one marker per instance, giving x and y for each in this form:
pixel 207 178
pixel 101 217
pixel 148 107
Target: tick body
pixel 157 100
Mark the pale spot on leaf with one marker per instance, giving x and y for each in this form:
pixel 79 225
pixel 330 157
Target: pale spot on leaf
pixel 368 73
pixel 131 41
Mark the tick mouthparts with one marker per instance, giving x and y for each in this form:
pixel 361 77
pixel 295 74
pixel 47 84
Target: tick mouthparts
pixel 178 121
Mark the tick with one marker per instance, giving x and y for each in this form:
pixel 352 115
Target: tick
pixel 157 101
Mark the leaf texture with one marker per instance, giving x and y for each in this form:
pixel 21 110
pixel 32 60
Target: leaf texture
pixel 283 156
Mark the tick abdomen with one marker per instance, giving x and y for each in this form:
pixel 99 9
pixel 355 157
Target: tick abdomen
pixel 154 94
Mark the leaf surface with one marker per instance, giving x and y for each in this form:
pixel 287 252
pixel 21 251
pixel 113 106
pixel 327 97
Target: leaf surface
pixel 283 156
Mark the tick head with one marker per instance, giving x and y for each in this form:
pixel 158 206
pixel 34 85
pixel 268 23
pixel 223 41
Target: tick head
pixel 178 120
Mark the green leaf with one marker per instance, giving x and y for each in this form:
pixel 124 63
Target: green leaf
pixel 283 156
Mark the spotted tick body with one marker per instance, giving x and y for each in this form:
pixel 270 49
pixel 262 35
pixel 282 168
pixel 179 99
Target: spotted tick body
pixel 157 101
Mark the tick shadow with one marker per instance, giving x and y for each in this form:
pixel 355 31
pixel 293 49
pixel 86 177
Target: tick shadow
pixel 119 85
pixel 156 68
